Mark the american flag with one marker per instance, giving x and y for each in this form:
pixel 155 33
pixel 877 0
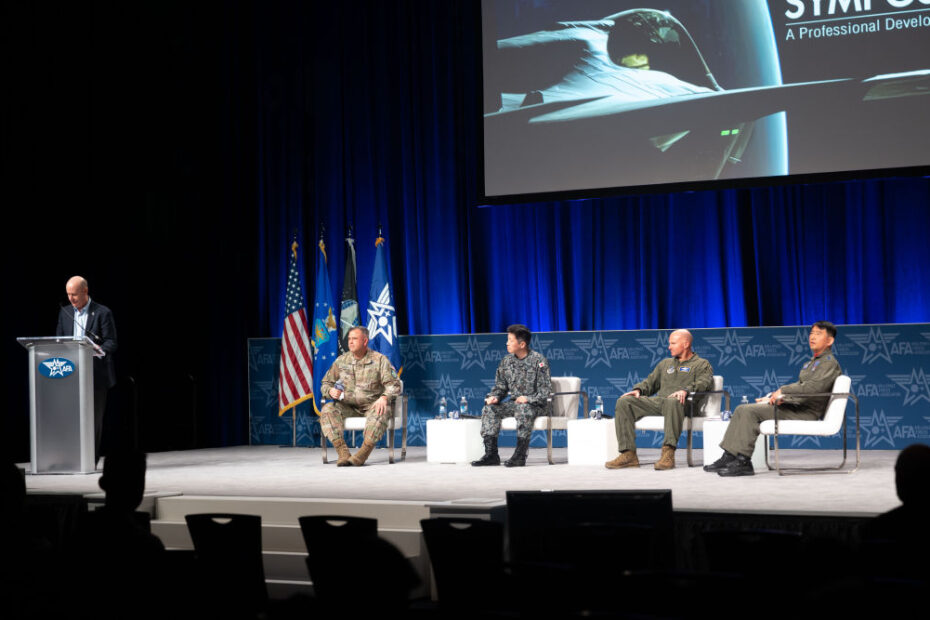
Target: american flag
pixel 295 383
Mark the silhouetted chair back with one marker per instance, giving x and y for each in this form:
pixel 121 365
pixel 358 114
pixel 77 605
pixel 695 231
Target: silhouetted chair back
pixel 333 531
pixel 754 551
pixel 534 516
pixel 332 543
pixel 229 552
pixel 465 552
pixel 576 539
pixel 613 547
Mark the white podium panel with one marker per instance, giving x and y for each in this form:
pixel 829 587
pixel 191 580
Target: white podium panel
pixel 591 442
pixel 61 405
pixel 453 441
pixel 713 435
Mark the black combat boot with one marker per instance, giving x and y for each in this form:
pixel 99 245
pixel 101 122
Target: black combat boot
pixel 490 453
pixel 720 463
pixel 519 455
pixel 740 466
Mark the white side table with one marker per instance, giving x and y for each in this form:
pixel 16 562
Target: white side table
pixel 591 442
pixel 453 441
pixel 713 435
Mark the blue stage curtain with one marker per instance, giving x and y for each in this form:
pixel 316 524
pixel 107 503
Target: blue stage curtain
pixel 368 113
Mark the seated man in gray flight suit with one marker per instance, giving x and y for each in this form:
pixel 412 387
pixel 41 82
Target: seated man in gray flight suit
pixel 817 376
pixel 667 388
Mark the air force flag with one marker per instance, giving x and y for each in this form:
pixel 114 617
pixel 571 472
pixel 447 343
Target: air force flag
pixel 382 318
pixel 323 336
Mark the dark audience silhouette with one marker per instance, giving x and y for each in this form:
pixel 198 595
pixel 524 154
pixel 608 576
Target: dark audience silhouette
pixel 895 543
pixel 115 561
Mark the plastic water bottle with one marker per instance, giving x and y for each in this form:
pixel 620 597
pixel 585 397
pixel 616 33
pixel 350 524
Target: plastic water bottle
pixel 463 408
pixel 598 408
pixel 443 409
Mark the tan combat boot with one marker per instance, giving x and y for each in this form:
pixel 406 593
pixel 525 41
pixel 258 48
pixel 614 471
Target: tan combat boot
pixel 667 460
pixel 626 459
pixel 362 455
pixel 343 451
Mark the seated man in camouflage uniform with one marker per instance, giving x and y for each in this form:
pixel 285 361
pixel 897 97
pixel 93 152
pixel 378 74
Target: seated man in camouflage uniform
pixel 667 387
pixel 370 384
pixel 524 375
pixel 817 375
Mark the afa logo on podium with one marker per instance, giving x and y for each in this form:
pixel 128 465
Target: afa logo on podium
pixel 56 368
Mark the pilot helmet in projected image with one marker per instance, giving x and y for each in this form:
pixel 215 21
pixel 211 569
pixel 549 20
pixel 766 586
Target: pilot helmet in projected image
pixel 650 39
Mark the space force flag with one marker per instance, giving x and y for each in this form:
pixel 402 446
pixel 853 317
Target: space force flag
pixel 295 379
pixel 323 337
pixel 382 318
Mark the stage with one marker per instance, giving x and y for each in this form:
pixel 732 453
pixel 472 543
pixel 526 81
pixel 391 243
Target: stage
pixel 269 471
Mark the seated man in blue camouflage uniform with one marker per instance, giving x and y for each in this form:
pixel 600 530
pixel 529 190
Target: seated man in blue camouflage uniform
pixel 524 375
pixel 367 386
pixel 817 376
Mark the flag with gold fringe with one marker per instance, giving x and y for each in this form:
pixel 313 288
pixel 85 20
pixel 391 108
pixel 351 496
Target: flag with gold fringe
pixel 295 379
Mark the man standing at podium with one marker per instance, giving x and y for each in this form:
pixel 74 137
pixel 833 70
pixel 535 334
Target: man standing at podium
pixel 88 318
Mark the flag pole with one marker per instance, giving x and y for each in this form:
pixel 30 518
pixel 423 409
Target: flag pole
pixel 293 409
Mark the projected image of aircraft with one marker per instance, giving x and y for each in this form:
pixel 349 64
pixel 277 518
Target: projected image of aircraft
pixel 630 100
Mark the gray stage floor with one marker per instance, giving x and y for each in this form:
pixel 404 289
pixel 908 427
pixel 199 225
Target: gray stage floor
pixel 268 471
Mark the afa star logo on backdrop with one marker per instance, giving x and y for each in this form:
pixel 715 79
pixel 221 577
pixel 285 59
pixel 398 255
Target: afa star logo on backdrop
pixel 269 389
pixel 877 428
pixel 593 392
pixel 445 386
pixel 730 347
pixel 657 346
pixel 471 351
pixel 656 438
pixel 413 351
pixel 382 320
pixel 915 385
pixel 595 349
pixel 767 382
pixel 538 344
pixel 798 441
pixel 874 344
pixel 305 425
pixel 797 345
pixel 259 358
pixel 625 384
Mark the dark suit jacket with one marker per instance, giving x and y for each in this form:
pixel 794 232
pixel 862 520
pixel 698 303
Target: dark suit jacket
pixel 102 330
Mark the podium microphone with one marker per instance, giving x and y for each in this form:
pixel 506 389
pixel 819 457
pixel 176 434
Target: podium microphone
pixel 94 336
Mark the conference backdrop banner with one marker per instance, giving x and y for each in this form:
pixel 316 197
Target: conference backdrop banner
pixel 888 365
